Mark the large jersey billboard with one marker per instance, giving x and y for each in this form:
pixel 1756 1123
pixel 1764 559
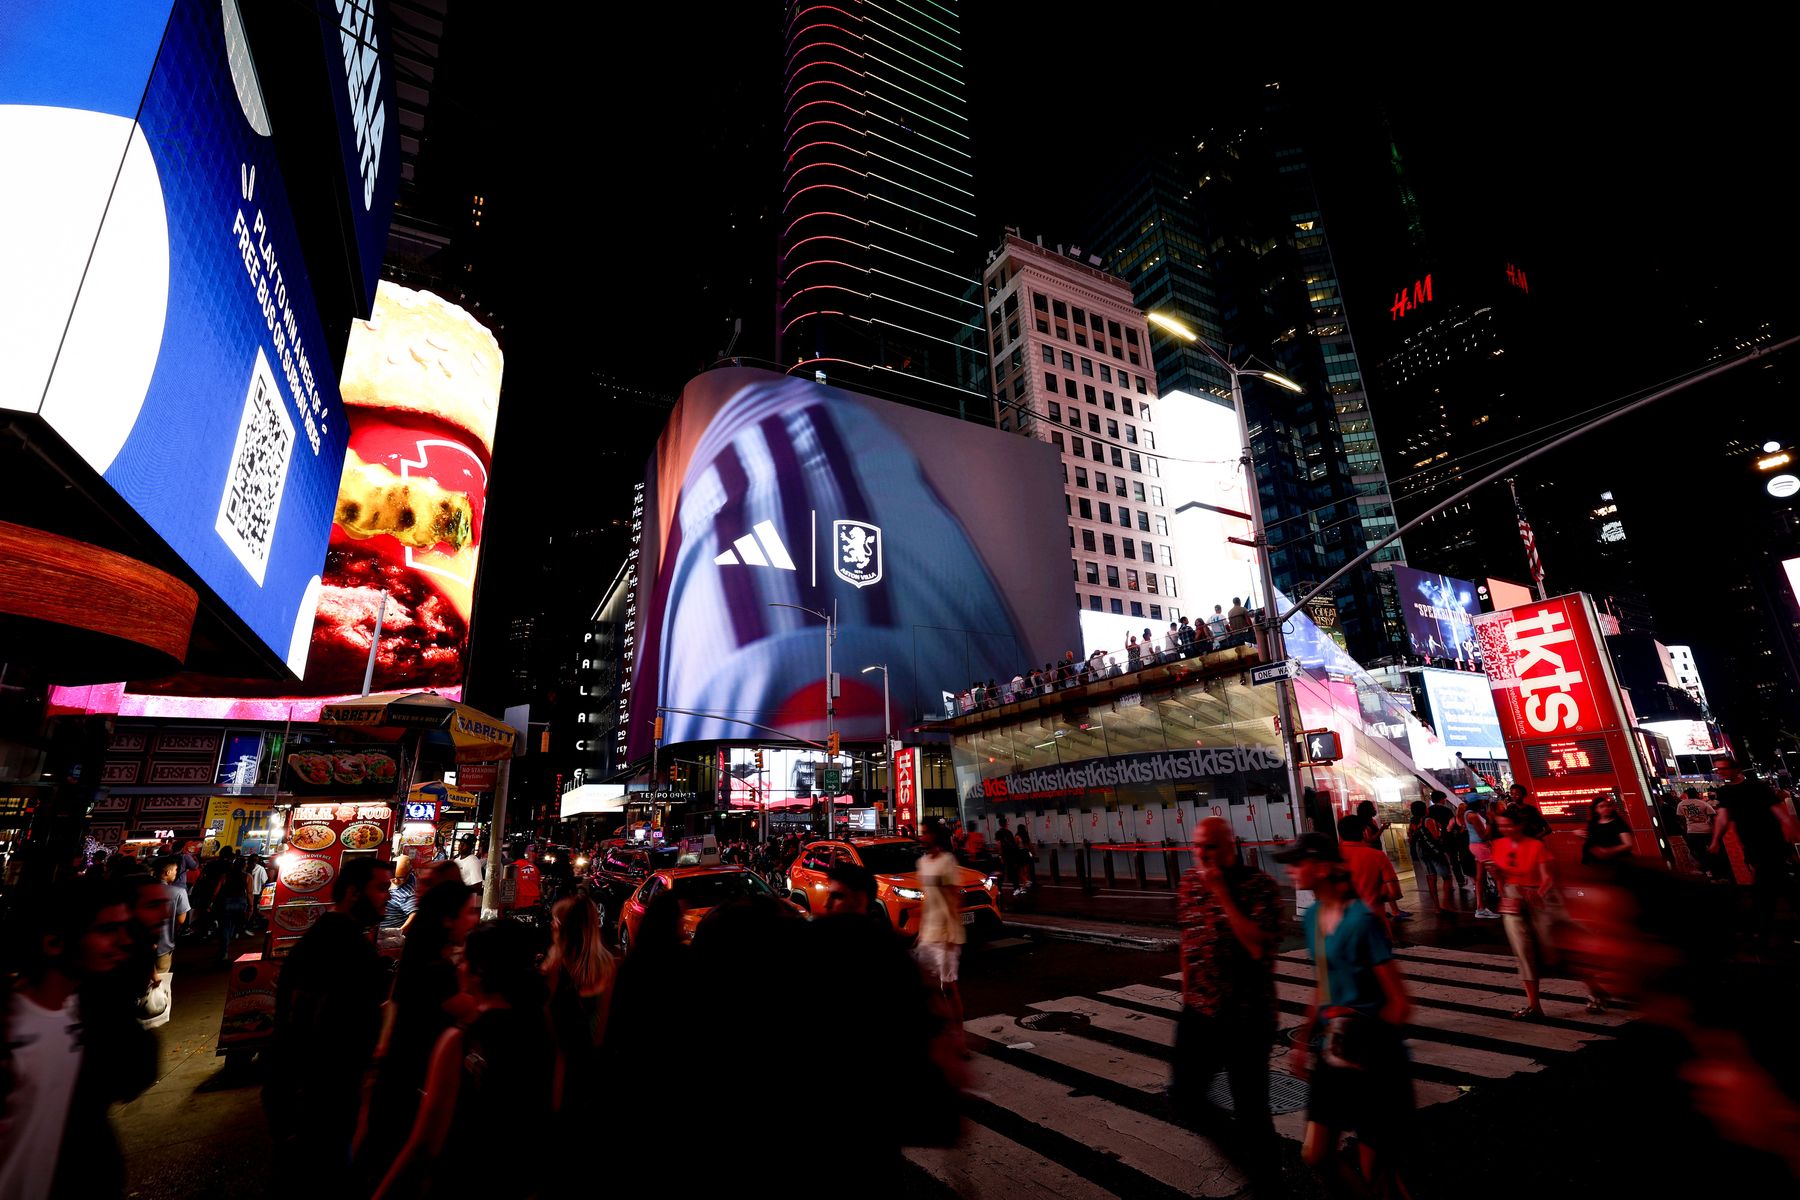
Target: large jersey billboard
pixel 1561 714
pixel 155 308
pixel 937 542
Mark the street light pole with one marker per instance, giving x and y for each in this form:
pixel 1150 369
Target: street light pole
pixel 830 699
pixel 887 743
pixel 1274 641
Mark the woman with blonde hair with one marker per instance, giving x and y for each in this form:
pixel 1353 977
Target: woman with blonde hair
pixel 580 971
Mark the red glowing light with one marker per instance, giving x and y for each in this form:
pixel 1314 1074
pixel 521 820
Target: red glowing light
pixel 836 187
pixel 1516 277
pixel 1406 301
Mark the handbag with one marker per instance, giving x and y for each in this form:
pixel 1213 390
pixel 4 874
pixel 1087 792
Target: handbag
pixel 153 1005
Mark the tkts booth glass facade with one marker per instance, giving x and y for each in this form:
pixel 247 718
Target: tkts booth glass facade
pixel 1115 773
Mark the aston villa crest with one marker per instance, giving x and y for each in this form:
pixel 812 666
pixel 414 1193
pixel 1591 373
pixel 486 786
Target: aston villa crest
pixel 858 550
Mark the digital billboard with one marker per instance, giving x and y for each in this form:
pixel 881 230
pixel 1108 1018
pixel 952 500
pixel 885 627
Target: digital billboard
pixel 1561 714
pixel 940 545
pixel 422 387
pixel 1462 713
pixel 362 93
pixel 1439 613
pixel 156 311
pixel 790 779
pixel 1203 479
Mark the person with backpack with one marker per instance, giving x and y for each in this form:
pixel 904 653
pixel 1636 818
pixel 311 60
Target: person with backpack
pixel 1456 838
pixel 1425 837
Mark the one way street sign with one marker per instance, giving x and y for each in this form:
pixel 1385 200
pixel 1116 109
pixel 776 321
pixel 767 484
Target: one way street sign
pixel 1272 672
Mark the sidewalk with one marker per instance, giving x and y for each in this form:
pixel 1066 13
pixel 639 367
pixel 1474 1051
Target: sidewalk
pixel 198 1132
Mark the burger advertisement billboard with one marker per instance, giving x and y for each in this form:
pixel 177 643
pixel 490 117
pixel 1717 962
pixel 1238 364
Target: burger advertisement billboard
pixel 156 313
pixel 1561 714
pixel 422 386
pixel 937 544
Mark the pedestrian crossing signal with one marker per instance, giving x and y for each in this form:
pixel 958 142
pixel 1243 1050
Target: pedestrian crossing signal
pixel 1322 746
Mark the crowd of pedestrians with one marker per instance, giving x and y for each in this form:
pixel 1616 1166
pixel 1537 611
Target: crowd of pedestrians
pixel 1183 639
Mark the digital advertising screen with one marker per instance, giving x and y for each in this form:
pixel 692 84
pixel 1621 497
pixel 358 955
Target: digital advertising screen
pixel 422 389
pixel 155 309
pixel 362 93
pixel 940 545
pixel 789 779
pixel 1462 712
pixel 1439 613
pixel 1203 480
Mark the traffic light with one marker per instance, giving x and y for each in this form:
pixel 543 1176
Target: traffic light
pixel 657 729
pixel 759 760
pixel 832 742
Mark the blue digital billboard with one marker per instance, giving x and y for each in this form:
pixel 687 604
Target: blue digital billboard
pixel 1462 712
pixel 1439 612
pixel 362 92
pixel 155 309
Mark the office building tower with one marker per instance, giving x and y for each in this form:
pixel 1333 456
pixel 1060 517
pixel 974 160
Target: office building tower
pixel 877 252
pixel 1226 233
pixel 1071 366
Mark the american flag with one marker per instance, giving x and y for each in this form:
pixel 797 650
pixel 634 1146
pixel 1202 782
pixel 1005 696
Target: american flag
pixel 1530 540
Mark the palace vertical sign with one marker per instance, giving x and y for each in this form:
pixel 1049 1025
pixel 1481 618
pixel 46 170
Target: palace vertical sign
pixel 1561 714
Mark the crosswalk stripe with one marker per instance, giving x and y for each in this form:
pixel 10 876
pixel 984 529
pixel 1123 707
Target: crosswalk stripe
pixel 987 1164
pixel 1564 988
pixel 1111 1017
pixel 1468 1060
pixel 1172 1156
pixel 1462 956
pixel 1526 1033
pixel 1134 1070
pixel 1479 993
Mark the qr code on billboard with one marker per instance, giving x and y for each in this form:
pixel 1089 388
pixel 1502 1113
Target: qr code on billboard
pixel 258 473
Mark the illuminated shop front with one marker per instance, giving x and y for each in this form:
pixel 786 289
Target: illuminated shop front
pixel 1126 766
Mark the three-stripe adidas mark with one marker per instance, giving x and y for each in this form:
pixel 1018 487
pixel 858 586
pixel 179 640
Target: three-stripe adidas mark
pixel 761 548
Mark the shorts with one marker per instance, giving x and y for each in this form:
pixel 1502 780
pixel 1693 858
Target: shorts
pixel 1372 1101
pixel 939 959
pixel 1481 852
pixel 1435 865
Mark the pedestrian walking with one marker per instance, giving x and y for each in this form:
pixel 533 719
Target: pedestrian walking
pixel 1368 866
pixel 1607 839
pixel 1478 820
pixel 1522 863
pixel 1350 1046
pixel 1530 817
pixel 230 904
pixel 1765 830
pixel 1230 925
pixel 327 1021
pixel 941 935
pixel 1425 837
pixel 1697 815
pixel 1027 856
pixel 1391 891
pixel 472 865
pixel 489 1083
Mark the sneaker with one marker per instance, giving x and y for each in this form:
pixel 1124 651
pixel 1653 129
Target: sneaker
pixel 1487 914
pixel 1403 916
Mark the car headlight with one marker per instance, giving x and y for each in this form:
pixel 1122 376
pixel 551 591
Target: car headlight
pixel 989 883
pixel 909 893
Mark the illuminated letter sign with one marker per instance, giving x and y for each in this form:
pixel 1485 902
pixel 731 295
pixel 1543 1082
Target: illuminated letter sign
pixel 1407 299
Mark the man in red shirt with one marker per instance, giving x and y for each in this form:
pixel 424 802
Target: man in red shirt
pixel 1369 867
pixel 527 892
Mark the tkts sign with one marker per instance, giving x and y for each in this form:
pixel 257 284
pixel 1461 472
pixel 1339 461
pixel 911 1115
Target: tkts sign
pixel 1561 713
pixel 906 785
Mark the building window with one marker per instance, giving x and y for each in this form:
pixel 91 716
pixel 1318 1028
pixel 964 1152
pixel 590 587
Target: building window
pixel 1018 387
pixel 1131 432
pixel 1131 581
pixel 1112 576
pixel 1087 367
pixel 1118 352
pixel 1076 445
pixel 1100 480
pixel 1112 429
pixel 1049 382
pixel 1124 516
pixel 1071 537
pixel 1094 603
pixel 1156 612
pixel 1130 549
pixel 1118 607
pixel 1168 557
pixel 1081 479
pixel 1043 326
pixel 1080 316
pixel 1144 527
pixel 1112 329
pixel 1068 361
pixel 1069 388
pixel 1111 546
pixel 1049 354
pixel 1133 356
pixel 1075 571
pixel 1087 390
pixel 1012 331
pixel 1137 490
pixel 1062 332
pixel 1137 608
pixel 1105 373
pixel 1059 310
pixel 1106 512
pixel 1156 496
pixel 1130 337
pixel 1127 406
pixel 1118 459
pixel 1012 304
pixel 1087 540
pixel 1099 451
pixel 1087 509
pixel 1099 326
pixel 1119 485
pixel 1094 422
pixel 1080 338
pixel 1140 383
pixel 1150 582
pixel 1056 439
pixel 1162 527
pixel 1055 411
pixel 994 320
pixel 1093 573
pixel 1169 585
pixel 1018 354
pixel 1075 416
pixel 1038 302
pixel 1006 424
pixel 1149 439
pixel 1144 412
pixel 1136 463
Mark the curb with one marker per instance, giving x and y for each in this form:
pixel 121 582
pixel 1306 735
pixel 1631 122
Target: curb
pixel 1067 933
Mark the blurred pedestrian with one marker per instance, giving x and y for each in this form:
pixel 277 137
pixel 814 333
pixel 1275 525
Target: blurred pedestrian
pixel 1697 815
pixel 941 935
pixel 403 899
pixel 230 904
pixel 1027 857
pixel 1766 830
pixel 256 878
pixel 1478 820
pixel 489 1084
pixel 70 1045
pixel 1230 926
pixel 472 865
pixel 579 971
pixel 1350 1045
pixel 1368 865
pixel 1607 839
pixel 1529 816
pixel 1522 863
pixel 1425 837
pixel 426 1000
pixel 327 1020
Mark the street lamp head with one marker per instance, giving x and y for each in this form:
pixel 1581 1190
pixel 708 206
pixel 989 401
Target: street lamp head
pixel 882 667
pixel 1179 328
pixel 1280 381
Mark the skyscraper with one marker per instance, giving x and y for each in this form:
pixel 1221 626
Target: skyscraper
pixel 1226 233
pixel 876 234
pixel 1071 367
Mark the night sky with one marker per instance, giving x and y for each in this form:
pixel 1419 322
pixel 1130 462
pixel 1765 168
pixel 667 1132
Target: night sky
pixel 633 187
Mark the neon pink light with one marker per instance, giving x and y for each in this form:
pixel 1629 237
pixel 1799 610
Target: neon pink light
pixel 793 175
pixel 822 62
pixel 826 83
pixel 820 212
pixel 815 46
pixel 823 312
pixel 803 149
pixel 819 25
pixel 820 262
pixel 810 124
pixel 836 187
pixel 826 287
pixel 801 12
pixel 827 237
pixel 833 103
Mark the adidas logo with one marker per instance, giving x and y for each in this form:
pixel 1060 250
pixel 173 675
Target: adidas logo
pixel 761 548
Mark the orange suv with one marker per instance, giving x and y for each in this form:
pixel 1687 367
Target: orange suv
pixel 697 889
pixel 894 861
